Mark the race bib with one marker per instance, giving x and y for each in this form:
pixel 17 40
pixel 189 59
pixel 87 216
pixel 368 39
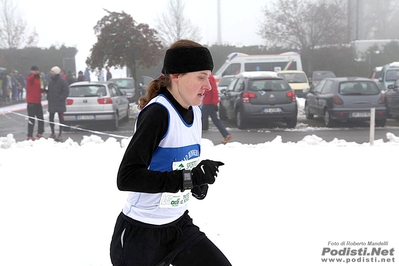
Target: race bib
pixel 173 200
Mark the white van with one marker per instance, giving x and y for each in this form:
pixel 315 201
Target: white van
pixel 239 62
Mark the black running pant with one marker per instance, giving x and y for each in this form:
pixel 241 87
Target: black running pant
pixel 179 243
pixel 35 110
pixel 61 121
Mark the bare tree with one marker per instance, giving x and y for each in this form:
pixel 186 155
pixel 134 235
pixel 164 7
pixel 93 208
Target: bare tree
pixel 172 25
pixel 304 25
pixel 380 19
pixel 13 30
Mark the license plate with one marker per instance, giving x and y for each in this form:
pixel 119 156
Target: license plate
pixel 361 114
pixel 272 110
pixel 85 117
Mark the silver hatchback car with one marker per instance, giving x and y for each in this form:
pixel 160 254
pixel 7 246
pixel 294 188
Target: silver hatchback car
pixel 96 102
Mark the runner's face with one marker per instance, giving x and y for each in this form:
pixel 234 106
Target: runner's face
pixel 190 87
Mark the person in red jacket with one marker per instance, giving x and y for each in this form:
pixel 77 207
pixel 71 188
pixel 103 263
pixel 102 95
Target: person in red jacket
pixel 210 107
pixel 34 89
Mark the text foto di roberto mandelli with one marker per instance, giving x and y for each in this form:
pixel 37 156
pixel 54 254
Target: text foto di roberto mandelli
pixel 354 243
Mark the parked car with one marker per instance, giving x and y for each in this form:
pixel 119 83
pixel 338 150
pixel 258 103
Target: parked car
pixel 346 99
pixel 259 96
pixel 99 102
pixel 224 82
pixel 389 74
pixel 392 99
pixel 298 81
pixel 145 80
pixel 126 85
pixel 319 75
pixel 376 73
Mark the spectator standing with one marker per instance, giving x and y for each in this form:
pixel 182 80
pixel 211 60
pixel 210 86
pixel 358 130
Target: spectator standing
pixel 100 74
pixel 14 86
pixel 161 167
pixel 109 74
pixel 70 78
pixel 210 108
pixel 4 87
pixel 34 105
pixel 87 74
pixel 21 81
pixel 81 77
pixel 57 93
pixel 63 74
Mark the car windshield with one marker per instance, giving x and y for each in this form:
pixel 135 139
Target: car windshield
pixel 147 80
pixel 377 74
pixel 124 83
pixel 392 75
pixel 268 85
pixel 225 81
pixel 358 88
pixel 323 75
pixel 294 77
pixel 87 91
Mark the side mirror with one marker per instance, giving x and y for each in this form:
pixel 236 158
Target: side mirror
pixel 390 87
pixel 223 91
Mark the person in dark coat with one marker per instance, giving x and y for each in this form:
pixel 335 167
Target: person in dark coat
pixel 58 91
pixel 81 77
pixel 109 74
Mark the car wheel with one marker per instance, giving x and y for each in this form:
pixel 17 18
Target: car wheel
pixel 127 117
pixel 380 123
pixel 241 124
pixel 292 122
pixel 327 119
pixel 307 112
pixel 222 113
pixel 115 122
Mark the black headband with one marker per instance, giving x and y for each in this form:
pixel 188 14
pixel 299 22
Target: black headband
pixel 187 59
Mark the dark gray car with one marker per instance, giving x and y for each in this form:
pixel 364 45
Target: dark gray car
pixel 392 99
pixel 319 75
pixel 346 99
pixel 258 96
pixel 126 85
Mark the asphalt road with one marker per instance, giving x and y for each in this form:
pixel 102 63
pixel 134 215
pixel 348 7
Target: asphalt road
pixel 15 122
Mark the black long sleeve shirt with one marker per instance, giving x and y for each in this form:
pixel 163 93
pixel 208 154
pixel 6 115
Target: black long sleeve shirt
pixel 152 125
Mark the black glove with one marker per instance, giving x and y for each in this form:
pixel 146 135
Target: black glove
pixel 37 75
pixel 205 172
pixel 200 192
pixel 216 108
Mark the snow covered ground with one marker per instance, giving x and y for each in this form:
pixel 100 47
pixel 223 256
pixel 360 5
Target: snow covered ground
pixel 273 203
